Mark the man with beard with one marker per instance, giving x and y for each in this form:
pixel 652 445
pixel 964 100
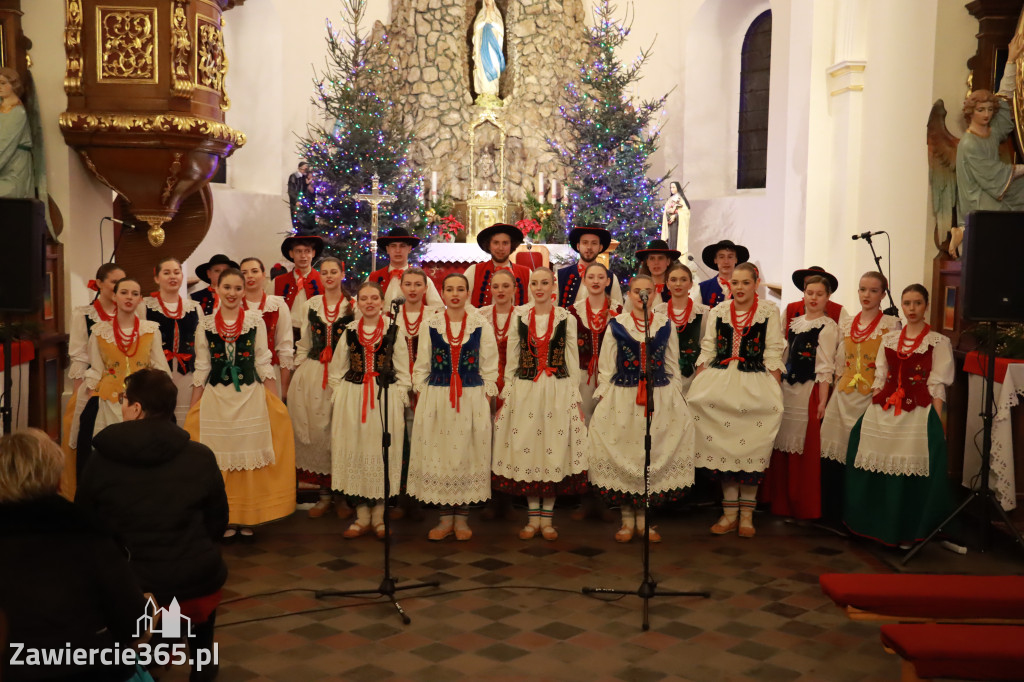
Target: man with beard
pixel 589 241
pixel 499 240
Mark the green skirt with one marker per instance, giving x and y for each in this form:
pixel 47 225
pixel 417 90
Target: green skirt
pixel 898 510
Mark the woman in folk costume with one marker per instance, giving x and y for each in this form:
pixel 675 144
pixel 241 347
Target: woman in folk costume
pixel 539 434
pixel 276 318
pixel 592 315
pixel 896 485
pixel 793 480
pixel 364 358
pixel 619 426
pixel 237 414
pixel 654 262
pixel 309 396
pixel 398 243
pixel 83 320
pixel 797 308
pixel 860 339
pixel 455 373
pixel 117 348
pixel 689 318
pixel 179 319
pixel 209 272
pixel 499 314
pixel 736 399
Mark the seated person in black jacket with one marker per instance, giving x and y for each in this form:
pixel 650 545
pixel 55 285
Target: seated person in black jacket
pixel 64 583
pixel 163 497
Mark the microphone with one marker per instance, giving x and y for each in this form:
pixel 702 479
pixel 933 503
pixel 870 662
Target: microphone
pixel 693 260
pixel 867 235
pixel 398 301
pixel 126 223
pixel 644 296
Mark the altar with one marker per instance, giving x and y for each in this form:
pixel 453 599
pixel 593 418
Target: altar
pixel 439 259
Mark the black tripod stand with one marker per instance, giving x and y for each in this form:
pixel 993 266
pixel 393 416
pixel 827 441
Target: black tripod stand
pixel 983 493
pixel 388 587
pixel 866 236
pixel 648 588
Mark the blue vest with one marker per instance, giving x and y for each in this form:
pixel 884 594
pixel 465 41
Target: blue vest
pixel 628 368
pixel 441 360
pixel 711 293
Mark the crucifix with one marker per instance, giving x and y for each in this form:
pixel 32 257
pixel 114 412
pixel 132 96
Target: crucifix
pixel 376 199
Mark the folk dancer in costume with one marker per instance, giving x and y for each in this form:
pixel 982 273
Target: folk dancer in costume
pixel 736 399
pixel 237 414
pixel 793 480
pixel 859 343
pixel 675 219
pixel 277 318
pixel 896 485
pixel 654 262
pixel 179 319
pixel 309 395
pixel 303 282
pixel 398 243
pixel 365 355
pixel 499 240
pixel 689 318
pixel 539 434
pixel 592 315
pixel 117 348
pixel 209 272
pixel 589 241
pixel 833 310
pixel 83 320
pixel 456 371
pixel 619 424
pixel 723 256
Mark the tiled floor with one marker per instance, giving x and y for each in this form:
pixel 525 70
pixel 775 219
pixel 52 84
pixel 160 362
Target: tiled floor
pixel 513 610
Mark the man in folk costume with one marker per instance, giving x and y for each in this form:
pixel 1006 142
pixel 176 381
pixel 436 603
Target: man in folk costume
pixel 723 257
pixel 398 243
pixel 209 272
pixel 589 241
pixel 303 282
pixel 499 240
pixel 832 309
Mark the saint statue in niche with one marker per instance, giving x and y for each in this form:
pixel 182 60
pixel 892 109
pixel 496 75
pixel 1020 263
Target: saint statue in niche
pixel 488 59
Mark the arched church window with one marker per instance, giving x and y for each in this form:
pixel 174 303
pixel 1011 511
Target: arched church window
pixel 755 70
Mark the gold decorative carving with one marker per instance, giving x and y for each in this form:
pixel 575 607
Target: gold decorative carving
pixel 73 47
pixel 73 122
pixel 211 59
pixel 99 176
pixel 156 232
pixel 172 177
pixel 181 51
pixel 126 42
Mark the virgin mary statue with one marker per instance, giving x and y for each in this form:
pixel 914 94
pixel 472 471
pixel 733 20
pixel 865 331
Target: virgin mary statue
pixel 488 62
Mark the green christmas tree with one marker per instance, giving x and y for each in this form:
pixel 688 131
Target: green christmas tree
pixel 611 141
pixel 361 134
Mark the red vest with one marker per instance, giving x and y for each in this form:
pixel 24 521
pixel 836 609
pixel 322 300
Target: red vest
pixel 284 286
pixel 481 294
pixel 907 382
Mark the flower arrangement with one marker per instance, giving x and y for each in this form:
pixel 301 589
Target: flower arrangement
pixel 449 227
pixel 548 216
pixel 529 227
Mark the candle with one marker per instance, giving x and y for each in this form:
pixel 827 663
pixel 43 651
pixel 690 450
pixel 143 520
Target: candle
pixel 433 185
pixel 554 191
pixel 540 185
pixel 423 190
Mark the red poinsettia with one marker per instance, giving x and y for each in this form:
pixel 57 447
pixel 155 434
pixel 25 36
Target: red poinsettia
pixel 528 226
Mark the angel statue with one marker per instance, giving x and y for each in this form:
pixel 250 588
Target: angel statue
pixel 488 60
pixel 984 181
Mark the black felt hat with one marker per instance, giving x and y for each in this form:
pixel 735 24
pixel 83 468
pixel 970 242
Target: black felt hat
pixel 483 238
pixel 800 275
pixel 397 235
pixel 203 270
pixel 290 242
pixel 710 251
pixel 600 231
pixel 658 246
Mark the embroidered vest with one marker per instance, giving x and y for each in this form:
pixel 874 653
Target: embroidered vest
pixel 244 365
pixel 689 346
pixel 270 318
pixel 117 366
pixel 205 298
pixel 711 293
pixel 284 286
pixel 187 325
pixel 910 376
pixel 803 352
pixel 569 282
pixel 481 295
pixel 441 360
pixel 859 372
pixel 628 368
pixel 382 360
pixel 528 362
pixel 585 338
pixel 318 331
pixel 751 347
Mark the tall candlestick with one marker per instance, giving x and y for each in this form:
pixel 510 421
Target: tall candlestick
pixel 433 186
pixel 554 191
pixel 540 185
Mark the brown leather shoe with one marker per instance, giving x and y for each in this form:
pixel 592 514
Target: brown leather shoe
pixel 723 526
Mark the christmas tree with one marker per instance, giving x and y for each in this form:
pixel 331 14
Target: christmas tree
pixel 360 134
pixel 611 141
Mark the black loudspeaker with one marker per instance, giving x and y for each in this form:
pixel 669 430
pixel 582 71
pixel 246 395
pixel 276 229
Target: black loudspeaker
pixel 992 280
pixel 22 255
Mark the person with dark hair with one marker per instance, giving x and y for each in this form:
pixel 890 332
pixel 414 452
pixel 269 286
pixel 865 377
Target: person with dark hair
pixel 589 241
pixel 297 183
pixel 163 497
pixel 276 316
pixel 209 272
pixel 896 488
pixel 63 581
pixel 303 282
pixel 398 244
pixel 722 256
pixel 499 241
pixel 654 262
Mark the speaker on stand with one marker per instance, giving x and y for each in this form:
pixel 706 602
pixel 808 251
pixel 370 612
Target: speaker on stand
pixel 993 291
pixel 22 268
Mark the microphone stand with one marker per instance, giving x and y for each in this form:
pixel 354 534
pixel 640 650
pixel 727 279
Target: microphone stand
pixel 892 309
pixel 648 587
pixel 388 586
